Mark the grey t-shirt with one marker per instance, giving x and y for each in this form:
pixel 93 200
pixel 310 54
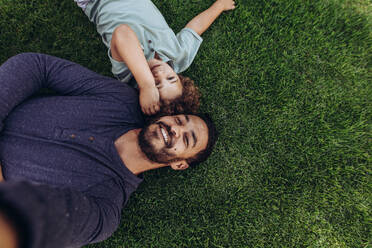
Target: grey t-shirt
pixel 151 29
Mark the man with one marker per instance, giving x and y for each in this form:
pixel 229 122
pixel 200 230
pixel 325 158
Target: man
pixel 70 161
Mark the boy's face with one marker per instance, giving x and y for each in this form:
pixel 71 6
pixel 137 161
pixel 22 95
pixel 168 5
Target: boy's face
pixel 166 80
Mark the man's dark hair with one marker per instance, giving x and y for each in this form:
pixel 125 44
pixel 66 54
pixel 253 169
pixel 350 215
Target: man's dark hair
pixel 212 138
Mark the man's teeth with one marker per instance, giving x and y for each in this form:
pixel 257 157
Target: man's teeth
pixel 164 134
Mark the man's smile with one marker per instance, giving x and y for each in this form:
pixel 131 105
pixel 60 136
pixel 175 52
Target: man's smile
pixel 165 134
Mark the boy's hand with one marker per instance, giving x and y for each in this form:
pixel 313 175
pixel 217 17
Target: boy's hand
pixel 201 22
pixel 149 100
pixel 226 4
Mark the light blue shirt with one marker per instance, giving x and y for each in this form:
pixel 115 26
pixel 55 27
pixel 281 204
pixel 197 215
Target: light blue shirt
pixel 151 29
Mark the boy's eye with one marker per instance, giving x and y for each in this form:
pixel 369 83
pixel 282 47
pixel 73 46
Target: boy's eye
pixel 170 78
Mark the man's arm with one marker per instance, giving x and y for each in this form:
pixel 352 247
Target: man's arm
pixel 47 217
pixel 1 176
pixel 8 234
pixel 25 74
pixel 201 22
pixel 126 47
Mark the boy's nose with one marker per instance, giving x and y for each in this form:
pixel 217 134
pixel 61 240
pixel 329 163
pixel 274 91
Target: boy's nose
pixel 159 76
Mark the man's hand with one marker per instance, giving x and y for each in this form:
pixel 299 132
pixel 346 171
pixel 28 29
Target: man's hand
pixel 149 100
pixel 226 4
pixel 8 233
pixel 1 174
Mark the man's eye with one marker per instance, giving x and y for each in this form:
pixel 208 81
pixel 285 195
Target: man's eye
pixel 186 140
pixel 178 121
pixel 170 78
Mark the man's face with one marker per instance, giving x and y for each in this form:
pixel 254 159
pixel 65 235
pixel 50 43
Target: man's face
pixel 173 138
pixel 166 80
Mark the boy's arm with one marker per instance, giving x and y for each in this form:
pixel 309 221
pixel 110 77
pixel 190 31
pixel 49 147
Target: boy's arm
pixel 201 22
pixel 126 47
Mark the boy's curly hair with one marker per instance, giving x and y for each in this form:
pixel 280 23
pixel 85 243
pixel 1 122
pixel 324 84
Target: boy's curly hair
pixel 188 102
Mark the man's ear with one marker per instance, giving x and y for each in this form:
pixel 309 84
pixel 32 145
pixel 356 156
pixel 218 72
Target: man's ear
pixel 179 165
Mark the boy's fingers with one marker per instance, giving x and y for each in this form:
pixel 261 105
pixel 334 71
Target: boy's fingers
pixel 156 108
pixel 151 110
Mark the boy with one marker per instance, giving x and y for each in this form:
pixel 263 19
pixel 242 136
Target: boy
pixel 141 44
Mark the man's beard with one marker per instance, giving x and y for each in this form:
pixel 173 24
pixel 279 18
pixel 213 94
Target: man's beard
pixel 144 140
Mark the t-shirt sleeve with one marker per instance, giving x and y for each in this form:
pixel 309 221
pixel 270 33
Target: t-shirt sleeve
pixel 64 217
pixel 25 74
pixel 190 41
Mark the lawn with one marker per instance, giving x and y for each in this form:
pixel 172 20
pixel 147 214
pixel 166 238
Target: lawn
pixel 288 83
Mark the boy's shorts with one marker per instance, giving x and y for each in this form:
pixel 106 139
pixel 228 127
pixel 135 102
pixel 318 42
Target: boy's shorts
pixel 82 3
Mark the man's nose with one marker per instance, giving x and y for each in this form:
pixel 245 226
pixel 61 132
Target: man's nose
pixel 176 131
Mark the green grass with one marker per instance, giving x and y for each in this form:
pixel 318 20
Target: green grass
pixel 288 83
